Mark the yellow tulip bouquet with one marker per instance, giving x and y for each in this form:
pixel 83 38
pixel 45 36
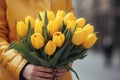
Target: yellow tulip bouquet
pixel 54 40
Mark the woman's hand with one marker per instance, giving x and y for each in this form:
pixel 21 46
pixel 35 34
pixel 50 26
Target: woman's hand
pixel 59 73
pixel 32 72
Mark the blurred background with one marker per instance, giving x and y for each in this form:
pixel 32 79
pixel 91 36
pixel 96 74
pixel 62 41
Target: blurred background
pixel 103 60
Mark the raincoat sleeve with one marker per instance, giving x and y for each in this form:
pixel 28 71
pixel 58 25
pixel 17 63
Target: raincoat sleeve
pixel 10 59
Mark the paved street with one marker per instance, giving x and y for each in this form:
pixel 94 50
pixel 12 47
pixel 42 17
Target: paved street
pixel 93 68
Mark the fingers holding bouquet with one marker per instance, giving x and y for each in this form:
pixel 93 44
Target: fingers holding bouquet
pixel 32 72
pixel 59 73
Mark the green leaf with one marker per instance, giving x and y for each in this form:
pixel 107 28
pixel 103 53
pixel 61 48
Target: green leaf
pixel 22 49
pixel 66 52
pixel 62 29
pixel 30 58
pixel 74 29
pixel 57 55
pixel 82 57
pixel 74 73
pixel 42 61
pixel 24 43
pixel 49 37
pixel 45 32
pixel 12 45
pixel 45 19
pixel 73 58
pixel 39 16
pixel 28 54
pixel 65 31
pixel 30 32
pixel 43 55
pixel 78 50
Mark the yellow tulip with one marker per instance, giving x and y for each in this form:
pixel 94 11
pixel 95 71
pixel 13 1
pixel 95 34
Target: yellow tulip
pixel 32 21
pixel 78 37
pixel 50 48
pixel 58 38
pixel 22 29
pixel 90 41
pixel 88 29
pixel 37 40
pixel 59 21
pixel 70 24
pixel 53 27
pixel 60 13
pixel 69 16
pixel 78 29
pixel 50 15
pixel 80 22
pixel 38 26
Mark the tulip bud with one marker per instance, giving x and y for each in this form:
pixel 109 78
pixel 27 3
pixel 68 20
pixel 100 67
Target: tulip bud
pixel 88 29
pixel 38 26
pixel 50 15
pixel 90 41
pixel 32 21
pixel 78 37
pixel 37 40
pixel 53 27
pixel 78 29
pixel 59 21
pixel 60 13
pixel 80 22
pixel 69 16
pixel 70 24
pixel 58 38
pixel 22 29
pixel 50 48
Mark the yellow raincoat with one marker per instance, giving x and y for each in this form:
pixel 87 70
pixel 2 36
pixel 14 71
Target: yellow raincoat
pixel 11 62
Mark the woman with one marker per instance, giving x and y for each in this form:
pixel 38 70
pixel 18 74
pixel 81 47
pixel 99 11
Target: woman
pixel 12 65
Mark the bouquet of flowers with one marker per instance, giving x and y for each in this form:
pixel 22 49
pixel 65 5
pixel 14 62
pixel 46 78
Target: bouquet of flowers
pixel 54 40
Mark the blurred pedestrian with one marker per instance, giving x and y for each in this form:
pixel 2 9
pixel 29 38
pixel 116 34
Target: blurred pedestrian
pixel 108 49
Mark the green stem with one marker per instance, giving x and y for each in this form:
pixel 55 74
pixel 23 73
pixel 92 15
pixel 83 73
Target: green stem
pixel 71 46
pixel 53 73
pixel 48 57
